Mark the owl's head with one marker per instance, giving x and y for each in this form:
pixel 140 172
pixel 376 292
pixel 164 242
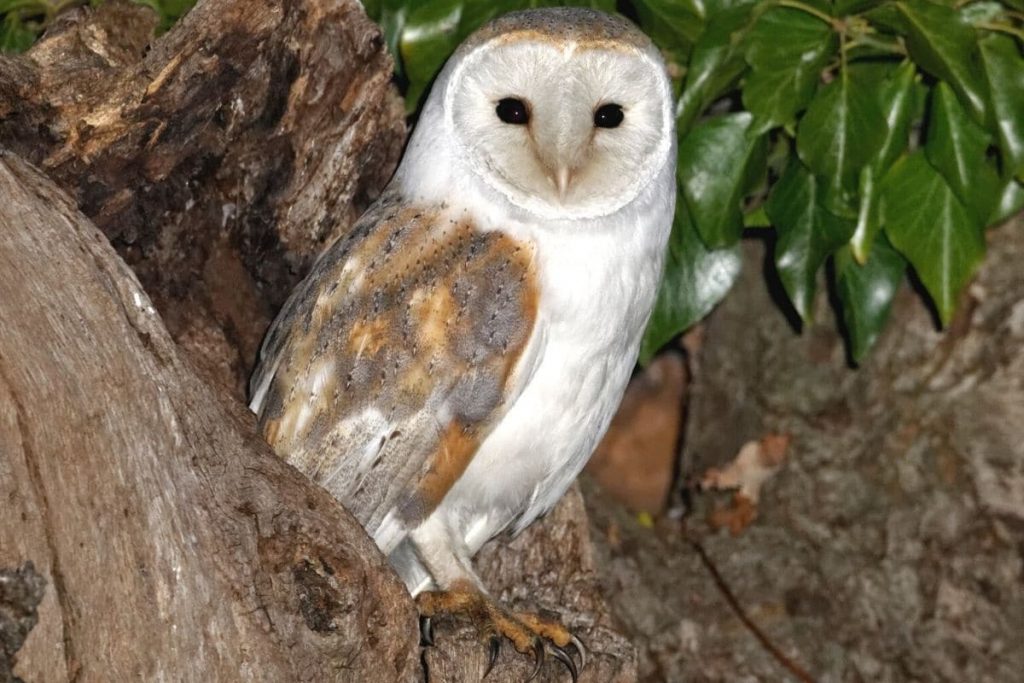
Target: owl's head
pixel 567 113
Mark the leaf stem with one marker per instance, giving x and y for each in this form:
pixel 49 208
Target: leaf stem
pixel 868 41
pixel 844 44
pixel 34 7
pixel 796 4
pixel 1002 28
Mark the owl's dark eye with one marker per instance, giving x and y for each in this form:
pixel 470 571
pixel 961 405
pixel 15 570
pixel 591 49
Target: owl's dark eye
pixel 608 116
pixel 512 110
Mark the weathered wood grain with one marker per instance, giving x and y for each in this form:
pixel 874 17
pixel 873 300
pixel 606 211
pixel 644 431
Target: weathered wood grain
pixel 176 545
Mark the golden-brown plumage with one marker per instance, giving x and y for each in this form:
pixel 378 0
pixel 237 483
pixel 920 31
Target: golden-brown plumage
pixel 391 361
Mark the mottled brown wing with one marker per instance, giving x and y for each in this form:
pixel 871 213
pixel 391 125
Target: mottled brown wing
pixel 391 361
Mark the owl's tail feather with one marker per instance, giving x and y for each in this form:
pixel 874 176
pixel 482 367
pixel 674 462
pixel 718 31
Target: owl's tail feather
pixel 410 569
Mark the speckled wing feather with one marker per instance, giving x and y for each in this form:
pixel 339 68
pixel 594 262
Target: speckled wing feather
pixel 394 357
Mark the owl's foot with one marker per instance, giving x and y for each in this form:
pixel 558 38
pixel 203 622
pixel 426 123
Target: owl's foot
pixel 530 633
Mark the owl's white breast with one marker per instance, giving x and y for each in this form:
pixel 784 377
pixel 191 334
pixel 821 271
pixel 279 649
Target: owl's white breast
pixel 598 285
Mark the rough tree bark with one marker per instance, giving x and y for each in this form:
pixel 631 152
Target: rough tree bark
pixel 219 158
pixel 176 545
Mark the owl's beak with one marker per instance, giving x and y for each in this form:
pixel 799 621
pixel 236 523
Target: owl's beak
pixel 562 178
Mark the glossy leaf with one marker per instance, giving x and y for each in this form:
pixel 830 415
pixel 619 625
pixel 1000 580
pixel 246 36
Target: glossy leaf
pixel 1010 201
pixel 671 23
pixel 956 148
pixel 846 7
pixel 841 132
pixel 392 22
pixel 429 36
pixel 887 18
pixel 718 162
pixel 807 233
pixel 1004 67
pixel 902 98
pixel 695 279
pixel 784 72
pixel 866 292
pixel 15 36
pixel 944 44
pixel 933 229
pixel 869 215
pixel 715 64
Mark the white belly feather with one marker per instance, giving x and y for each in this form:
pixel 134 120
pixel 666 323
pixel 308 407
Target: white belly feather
pixel 597 292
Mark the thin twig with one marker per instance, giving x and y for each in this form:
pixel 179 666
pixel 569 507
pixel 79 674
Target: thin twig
pixel 784 660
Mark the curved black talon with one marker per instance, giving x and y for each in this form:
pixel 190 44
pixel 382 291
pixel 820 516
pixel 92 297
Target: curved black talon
pixel 561 655
pixel 426 632
pixel 538 655
pixel 577 644
pixel 492 658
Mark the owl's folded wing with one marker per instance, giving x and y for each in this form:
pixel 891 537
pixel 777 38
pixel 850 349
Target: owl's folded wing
pixel 392 361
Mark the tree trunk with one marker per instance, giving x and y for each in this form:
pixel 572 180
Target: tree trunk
pixel 176 545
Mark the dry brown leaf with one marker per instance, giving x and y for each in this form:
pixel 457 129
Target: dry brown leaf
pixel 756 463
pixel 737 516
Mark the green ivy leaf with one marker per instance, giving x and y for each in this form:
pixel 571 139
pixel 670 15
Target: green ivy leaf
pixel 718 163
pixel 869 215
pixel 807 233
pixel 840 133
pixel 429 36
pixel 15 36
pixel 1011 201
pixel 715 64
pixel 866 292
pixel 172 10
pixel 695 279
pixel 1004 67
pixel 930 226
pixel 901 96
pixel 846 7
pixel 944 44
pixel 671 23
pixel 784 72
pixel 956 148
pixel 902 100
pixel 390 14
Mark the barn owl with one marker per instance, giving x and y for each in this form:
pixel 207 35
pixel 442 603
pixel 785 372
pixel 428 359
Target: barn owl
pixel 446 368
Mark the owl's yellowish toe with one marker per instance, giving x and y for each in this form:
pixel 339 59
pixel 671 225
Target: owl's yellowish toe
pixel 530 633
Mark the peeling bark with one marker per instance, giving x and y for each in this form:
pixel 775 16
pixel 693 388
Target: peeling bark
pixel 219 158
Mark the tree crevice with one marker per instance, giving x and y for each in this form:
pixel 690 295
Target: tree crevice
pixel 50 530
